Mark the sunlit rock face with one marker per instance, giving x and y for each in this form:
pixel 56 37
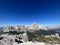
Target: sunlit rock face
pixel 32 43
pixel 25 37
pixel 23 29
pixel 9 28
pixel 35 27
pixel 21 39
pixel 14 28
pixel 10 39
pixel 15 43
pixel 17 27
pixel 7 39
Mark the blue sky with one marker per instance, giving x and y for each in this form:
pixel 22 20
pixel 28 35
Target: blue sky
pixel 26 12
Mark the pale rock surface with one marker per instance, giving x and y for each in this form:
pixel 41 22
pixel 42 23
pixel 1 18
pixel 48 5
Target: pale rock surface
pixel 25 37
pixel 32 43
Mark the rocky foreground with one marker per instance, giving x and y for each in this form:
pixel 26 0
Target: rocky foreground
pixel 21 39
pixel 34 43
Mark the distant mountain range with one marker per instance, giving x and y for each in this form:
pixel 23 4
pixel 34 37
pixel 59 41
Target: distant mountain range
pixel 33 27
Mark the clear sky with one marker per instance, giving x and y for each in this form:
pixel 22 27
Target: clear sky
pixel 26 12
